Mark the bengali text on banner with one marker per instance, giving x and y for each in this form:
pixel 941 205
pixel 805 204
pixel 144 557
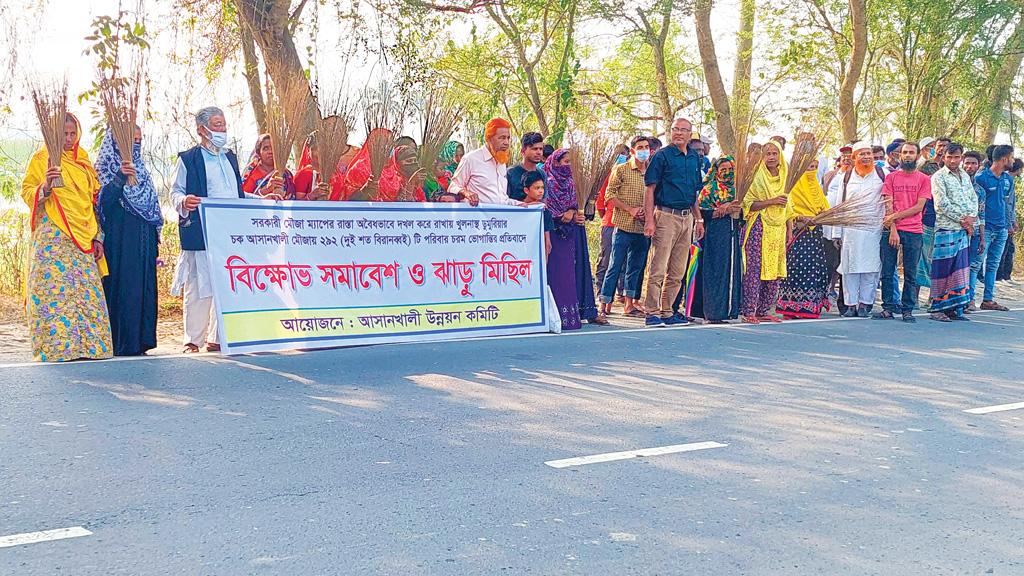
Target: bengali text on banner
pixel 291 275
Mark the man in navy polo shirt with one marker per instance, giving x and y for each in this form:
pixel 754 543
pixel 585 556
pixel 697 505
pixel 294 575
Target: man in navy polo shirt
pixel 997 184
pixel 673 180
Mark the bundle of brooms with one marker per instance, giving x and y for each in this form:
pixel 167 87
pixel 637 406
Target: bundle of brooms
pixel 383 112
pixel 440 117
pixel 332 132
pixel 50 100
pixel 120 98
pixel 590 163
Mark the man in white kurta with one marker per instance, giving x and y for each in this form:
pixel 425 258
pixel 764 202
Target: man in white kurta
pixel 860 258
pixel 192 277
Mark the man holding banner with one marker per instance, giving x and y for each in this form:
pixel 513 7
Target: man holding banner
pixel 209 170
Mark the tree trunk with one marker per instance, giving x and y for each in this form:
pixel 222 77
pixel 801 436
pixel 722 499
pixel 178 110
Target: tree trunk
pixel 268 21
pixel 252 74
pixel 661 79
pixel 1009 67
pixel 847 106
pixel 713 77
pixel 741 113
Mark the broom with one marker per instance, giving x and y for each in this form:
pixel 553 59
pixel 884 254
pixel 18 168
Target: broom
pixel 332 132
pixel 440 118
pixel 120 98
pixel 381 113
pixel 859 212
pixel 590 165
pixel 51 104
pixel 285 110
pixel 748 158
pixel 805 153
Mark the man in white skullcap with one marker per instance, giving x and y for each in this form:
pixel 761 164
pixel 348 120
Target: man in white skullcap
pixel 860 257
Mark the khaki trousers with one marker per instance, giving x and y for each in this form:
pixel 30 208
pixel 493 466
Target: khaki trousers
pixel 670 254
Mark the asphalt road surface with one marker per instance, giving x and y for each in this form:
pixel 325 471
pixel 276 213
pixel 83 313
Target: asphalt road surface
pixel 827 447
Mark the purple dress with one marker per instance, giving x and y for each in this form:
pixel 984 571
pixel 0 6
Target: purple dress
pixel 559 197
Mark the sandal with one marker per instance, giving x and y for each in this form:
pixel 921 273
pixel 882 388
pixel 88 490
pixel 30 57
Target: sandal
pixel 600 320
pixel 635 313
pixel 751 320
pixel 940 317
pixel 774 319
pixel 190 349
pixel 211 347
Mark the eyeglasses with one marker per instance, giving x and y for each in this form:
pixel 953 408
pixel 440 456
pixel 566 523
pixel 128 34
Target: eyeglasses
pixel 674 129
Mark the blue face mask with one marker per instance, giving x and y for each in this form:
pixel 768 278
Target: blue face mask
pixel 643 155
pixel 621 159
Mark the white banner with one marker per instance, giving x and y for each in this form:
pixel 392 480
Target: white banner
pixel 290 275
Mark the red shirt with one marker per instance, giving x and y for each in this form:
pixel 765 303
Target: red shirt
pixel 905 190
pixel 606 220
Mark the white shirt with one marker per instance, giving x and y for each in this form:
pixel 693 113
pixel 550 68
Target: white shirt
pixel 481 174
pixel 193 266
pixel 220 179
pixel 834 195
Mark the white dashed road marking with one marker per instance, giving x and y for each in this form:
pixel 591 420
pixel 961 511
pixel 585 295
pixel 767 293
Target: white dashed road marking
pixel 44 536
pixel 613 456
pixel 998 408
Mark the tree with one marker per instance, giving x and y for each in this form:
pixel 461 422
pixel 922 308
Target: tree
pixel 271 26
pixel 733 117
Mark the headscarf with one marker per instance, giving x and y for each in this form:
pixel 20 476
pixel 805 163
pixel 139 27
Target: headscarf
pixel 807 198
pixel 306 175
pixel 71 208
pixel 717 191
pixel 140 200
pixel 448 152
pixel 765 187
pixel 391 179
pixel 560 193
pixel 255 178
pixel 359 170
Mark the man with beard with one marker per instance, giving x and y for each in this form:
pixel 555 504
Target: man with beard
pixel 905 192
pixel 833 192
pixel 971 165
pixel 482 176
pixel 999 218
pixel 860 259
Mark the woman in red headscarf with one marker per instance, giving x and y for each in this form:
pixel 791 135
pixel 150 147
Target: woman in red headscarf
pixel 308 185
pixel 260 177
pixel 400 180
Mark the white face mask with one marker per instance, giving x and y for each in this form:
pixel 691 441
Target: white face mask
pixel 218 139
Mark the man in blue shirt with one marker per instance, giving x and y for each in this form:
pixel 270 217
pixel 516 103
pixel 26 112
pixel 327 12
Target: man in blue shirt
pixel 997 184
pixel 674 221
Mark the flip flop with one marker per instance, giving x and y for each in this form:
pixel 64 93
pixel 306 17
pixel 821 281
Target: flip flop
pixel 750 320
pixel 190 349
pixel 774 319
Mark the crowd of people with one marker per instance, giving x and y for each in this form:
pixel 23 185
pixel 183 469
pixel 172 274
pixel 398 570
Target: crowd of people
pixel 677 240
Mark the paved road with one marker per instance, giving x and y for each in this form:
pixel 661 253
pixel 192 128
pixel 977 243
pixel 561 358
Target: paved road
pixel 848 452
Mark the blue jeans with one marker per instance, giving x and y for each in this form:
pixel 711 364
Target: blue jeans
pixel 995 242
pixel 924 270
pixel 911 243
pixel 977 265
pixel 629 249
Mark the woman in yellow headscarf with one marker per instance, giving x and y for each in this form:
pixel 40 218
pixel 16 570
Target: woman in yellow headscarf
pixel 764 248
pixel 804 292
pixel 67 313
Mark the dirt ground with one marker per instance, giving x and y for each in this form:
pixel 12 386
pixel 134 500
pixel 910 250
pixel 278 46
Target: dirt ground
pixel 18 348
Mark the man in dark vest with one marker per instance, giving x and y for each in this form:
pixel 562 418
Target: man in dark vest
pixel 209 170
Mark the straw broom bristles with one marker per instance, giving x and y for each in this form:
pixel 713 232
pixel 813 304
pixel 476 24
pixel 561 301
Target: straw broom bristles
pixel 285 110
pixel 590 165
pixel 332 132
pixel 805 153
pixel 381 111
pixel 120 98
pixel 860 212
pixel 51 105
pixel 440 117
pixel 748 158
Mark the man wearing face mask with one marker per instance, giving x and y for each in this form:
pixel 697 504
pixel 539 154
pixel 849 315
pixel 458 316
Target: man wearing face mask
pixel 209 170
